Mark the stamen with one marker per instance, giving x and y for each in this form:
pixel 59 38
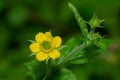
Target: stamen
pixel 46 45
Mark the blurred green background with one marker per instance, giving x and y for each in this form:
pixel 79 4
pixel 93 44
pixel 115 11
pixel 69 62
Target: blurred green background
pixel 20 20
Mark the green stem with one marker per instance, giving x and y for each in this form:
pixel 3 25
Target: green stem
pixel 48 70
pixel 92 31
pixel 71 53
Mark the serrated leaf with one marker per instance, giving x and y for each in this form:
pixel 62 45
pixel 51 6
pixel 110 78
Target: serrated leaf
pixel 91 51
pixel 107 42
pixel 64 74
pixel 103 44
pixel 79 61
pixel 38 69
pixel 103 47
pixel 71 45
pixel 79 19
pixel 88 54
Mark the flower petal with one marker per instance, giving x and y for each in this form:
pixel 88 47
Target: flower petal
pixel 56 42
pixel 34 47
pixel 40 37
pixel 54 54
pixel 41 56
pixel 49 36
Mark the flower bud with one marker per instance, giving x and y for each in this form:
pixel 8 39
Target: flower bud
pixel 96 36
pixel 94 22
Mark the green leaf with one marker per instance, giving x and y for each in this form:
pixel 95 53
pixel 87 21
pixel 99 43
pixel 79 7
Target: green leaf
pixel 103 47
pixel 103 44
pixel 87 55
pixel 64 74
pixel 79 19
pixel 37 69
pixel 91 51
pixel 72 52
pixel 79 61
pixel 71 45
pixel 107 42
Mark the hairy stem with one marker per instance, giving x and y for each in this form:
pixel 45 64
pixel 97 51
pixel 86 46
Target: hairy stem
pixel 48 70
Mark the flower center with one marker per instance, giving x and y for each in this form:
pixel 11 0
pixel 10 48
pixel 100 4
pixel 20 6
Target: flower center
pixel 46 45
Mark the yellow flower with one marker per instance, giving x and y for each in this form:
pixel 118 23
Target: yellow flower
pixel 45 46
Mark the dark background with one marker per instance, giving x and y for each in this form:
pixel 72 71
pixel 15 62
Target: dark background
pixel 21 20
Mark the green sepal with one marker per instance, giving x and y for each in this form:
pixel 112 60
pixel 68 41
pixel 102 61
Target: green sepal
pixel 96 37
pixel 31 41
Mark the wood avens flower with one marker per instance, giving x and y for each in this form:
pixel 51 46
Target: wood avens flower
pixel 45 46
